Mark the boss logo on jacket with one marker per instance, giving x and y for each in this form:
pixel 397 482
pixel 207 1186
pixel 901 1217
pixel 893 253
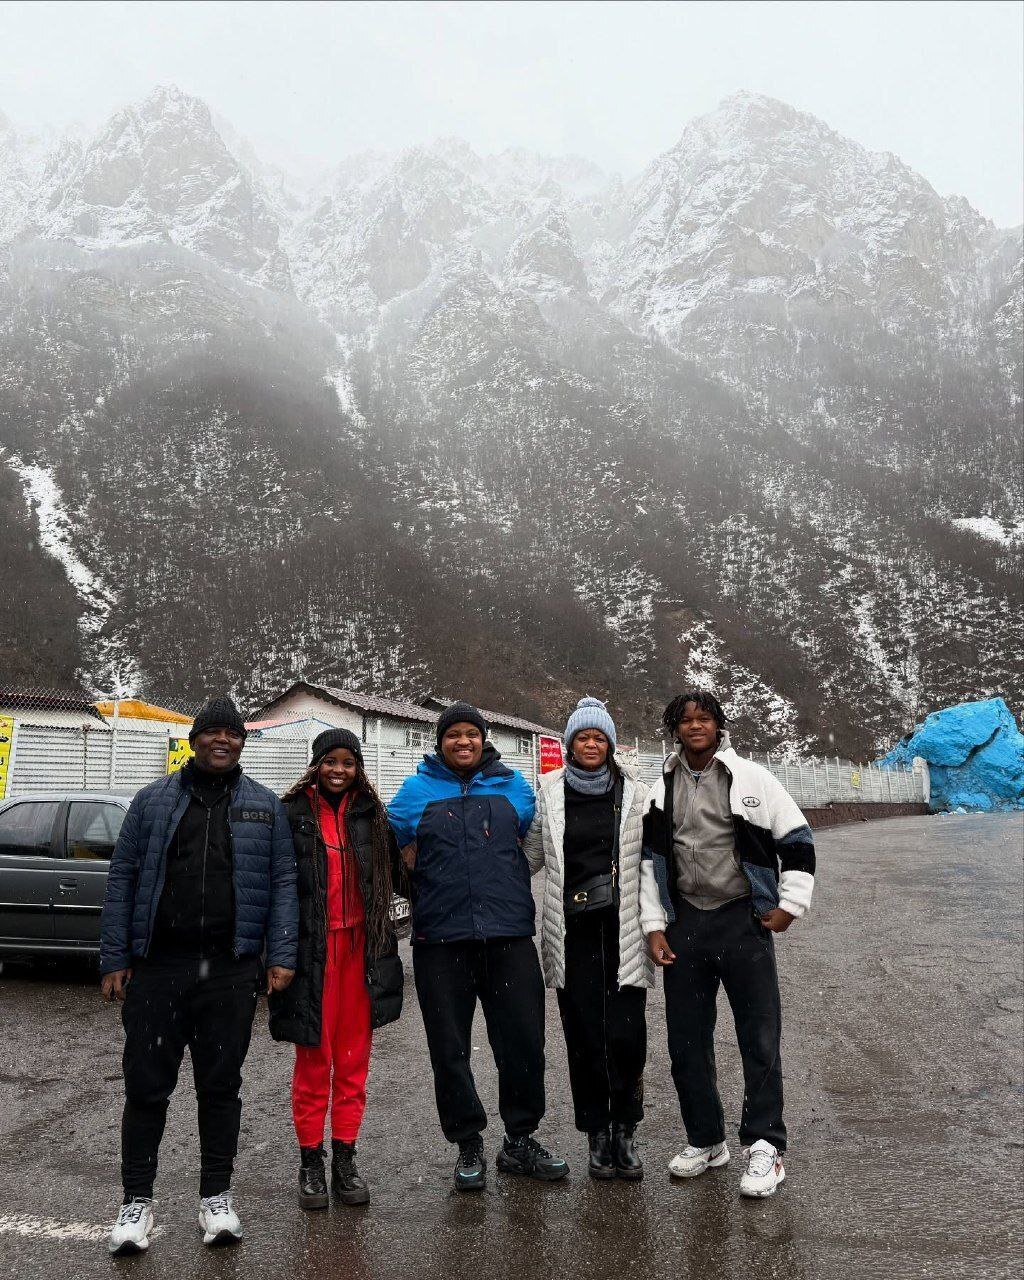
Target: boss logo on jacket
pixel 471 880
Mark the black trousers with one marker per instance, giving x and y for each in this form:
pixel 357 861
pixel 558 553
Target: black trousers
pixel 605 1028
pixel 208 1007
pixel 728 946
pixel 504 976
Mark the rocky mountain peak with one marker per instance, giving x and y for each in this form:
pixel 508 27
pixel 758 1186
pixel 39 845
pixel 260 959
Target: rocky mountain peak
pixel 545 259
pixel 158 172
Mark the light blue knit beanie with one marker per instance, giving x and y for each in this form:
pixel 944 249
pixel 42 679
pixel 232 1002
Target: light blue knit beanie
pixel 590 713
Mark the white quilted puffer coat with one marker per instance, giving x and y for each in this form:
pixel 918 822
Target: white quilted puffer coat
pixel 544 848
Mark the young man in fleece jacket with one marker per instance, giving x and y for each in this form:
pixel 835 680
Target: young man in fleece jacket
pixel 726 827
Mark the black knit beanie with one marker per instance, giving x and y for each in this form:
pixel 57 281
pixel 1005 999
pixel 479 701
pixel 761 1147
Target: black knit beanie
pixel 459 713
pixel 218 713
pixel 333 738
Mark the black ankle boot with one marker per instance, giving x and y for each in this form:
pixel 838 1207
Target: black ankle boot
pixel 312 1178
pixel 601 1163
pixel 346 1183
pixel 627 1160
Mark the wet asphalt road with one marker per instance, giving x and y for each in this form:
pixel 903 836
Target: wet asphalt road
pixel 902 1050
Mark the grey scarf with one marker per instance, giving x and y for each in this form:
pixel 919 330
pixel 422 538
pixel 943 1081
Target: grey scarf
pixel 590 782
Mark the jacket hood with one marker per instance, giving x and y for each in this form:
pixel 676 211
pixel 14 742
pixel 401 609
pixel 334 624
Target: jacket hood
pixel 490 766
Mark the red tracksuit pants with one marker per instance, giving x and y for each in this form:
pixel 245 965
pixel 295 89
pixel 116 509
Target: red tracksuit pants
pixel 335 1071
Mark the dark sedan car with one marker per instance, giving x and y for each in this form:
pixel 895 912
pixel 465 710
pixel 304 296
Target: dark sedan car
pixel 54 857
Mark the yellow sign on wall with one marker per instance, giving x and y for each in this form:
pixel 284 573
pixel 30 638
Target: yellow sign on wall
pixel 179 750
pixel 6 742
pixel 854 777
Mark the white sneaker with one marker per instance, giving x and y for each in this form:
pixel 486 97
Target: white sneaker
pixel 692 1161
pixel 218 1220
pixel 764 1170
pixel 130 1233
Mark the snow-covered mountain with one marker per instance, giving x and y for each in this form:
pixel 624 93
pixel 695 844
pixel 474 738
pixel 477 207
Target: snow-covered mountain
pixel 512 424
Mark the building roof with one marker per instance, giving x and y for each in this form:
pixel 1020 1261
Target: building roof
pixel 374 705
pixel 502 718
pixel 49 700
pixel 368 703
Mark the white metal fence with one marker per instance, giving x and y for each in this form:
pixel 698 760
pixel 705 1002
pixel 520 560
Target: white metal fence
pixel 52 758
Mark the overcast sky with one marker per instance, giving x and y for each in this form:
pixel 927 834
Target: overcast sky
pixel 940 84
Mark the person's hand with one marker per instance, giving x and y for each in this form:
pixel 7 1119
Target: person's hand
pixel 661 953
pixel 278 978
pixel 777 920
pixel 409 856
pixel 115 985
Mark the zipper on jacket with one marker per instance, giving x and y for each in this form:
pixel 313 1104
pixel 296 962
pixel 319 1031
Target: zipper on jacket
pixel 202 895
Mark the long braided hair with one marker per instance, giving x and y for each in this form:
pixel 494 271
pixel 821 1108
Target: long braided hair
pixel 379 927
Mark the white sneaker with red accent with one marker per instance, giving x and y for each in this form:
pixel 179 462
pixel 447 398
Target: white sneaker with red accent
pixel 692 1161
pixel 764 1170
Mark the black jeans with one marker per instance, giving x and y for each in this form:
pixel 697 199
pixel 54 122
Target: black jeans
pixel 504 975
pixel 209 1007
pixel 728 946
pixel 605 1027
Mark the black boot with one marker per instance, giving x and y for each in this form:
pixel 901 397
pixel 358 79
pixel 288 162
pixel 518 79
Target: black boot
pixel 312 1178
pixel 471 1166
pixel 627 1160
pixel 601 1163
pixel 346 1183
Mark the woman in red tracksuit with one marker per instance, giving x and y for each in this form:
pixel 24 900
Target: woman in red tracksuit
pixel 349 976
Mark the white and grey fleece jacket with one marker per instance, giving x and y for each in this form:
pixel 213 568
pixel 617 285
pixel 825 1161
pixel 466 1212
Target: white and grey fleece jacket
pixel 773 841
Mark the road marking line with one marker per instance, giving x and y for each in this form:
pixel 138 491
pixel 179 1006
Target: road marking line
pixel 23 1224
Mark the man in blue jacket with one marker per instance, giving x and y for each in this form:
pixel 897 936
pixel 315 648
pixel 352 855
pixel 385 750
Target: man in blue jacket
pixel 460 821
pixel 201 882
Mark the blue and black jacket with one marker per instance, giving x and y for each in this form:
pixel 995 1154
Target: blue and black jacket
pixel 471 881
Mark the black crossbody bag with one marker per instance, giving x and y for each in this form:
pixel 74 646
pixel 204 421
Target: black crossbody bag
pixel 598 892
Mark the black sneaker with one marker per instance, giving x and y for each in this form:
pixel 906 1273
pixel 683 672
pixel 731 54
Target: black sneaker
pixel 471 1167
pixel 312 1178
pixel 601 1164
pixel 627 1160
pixel 346 1184
pixel 527 1157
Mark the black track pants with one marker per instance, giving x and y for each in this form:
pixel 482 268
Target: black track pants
pixel 171 1005
pixel 728 946
pixel 605 1027
pixel 504 976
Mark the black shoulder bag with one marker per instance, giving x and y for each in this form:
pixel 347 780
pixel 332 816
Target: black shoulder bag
pixel 601 891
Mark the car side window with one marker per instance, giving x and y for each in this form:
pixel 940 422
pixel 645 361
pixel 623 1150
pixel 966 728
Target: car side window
pixel 93 827
pixel 26 828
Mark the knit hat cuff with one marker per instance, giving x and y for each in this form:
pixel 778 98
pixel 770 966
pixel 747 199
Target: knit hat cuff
pixel 590 713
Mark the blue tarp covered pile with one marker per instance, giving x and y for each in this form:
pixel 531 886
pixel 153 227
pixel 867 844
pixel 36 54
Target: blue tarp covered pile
pixel 975 755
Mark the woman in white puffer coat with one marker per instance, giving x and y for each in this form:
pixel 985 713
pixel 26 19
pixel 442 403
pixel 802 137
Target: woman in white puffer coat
pixel 587 835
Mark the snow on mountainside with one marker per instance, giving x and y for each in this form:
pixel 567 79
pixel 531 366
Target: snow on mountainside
pixel 751 419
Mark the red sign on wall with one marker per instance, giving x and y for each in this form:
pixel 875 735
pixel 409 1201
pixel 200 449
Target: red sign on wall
pixel 550 754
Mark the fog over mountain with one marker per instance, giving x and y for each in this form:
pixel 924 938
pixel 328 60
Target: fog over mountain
pixel 508 425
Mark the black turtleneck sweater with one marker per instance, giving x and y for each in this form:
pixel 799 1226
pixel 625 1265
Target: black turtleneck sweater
pixel 589 836
pixel 195 917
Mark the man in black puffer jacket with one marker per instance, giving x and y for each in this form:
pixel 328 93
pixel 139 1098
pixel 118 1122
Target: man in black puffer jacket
pixel 201 881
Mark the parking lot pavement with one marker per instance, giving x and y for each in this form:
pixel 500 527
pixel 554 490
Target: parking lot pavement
pixel 902 1051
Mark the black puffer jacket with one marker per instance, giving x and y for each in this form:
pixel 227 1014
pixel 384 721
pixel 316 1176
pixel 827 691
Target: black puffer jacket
pixel 295 1012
